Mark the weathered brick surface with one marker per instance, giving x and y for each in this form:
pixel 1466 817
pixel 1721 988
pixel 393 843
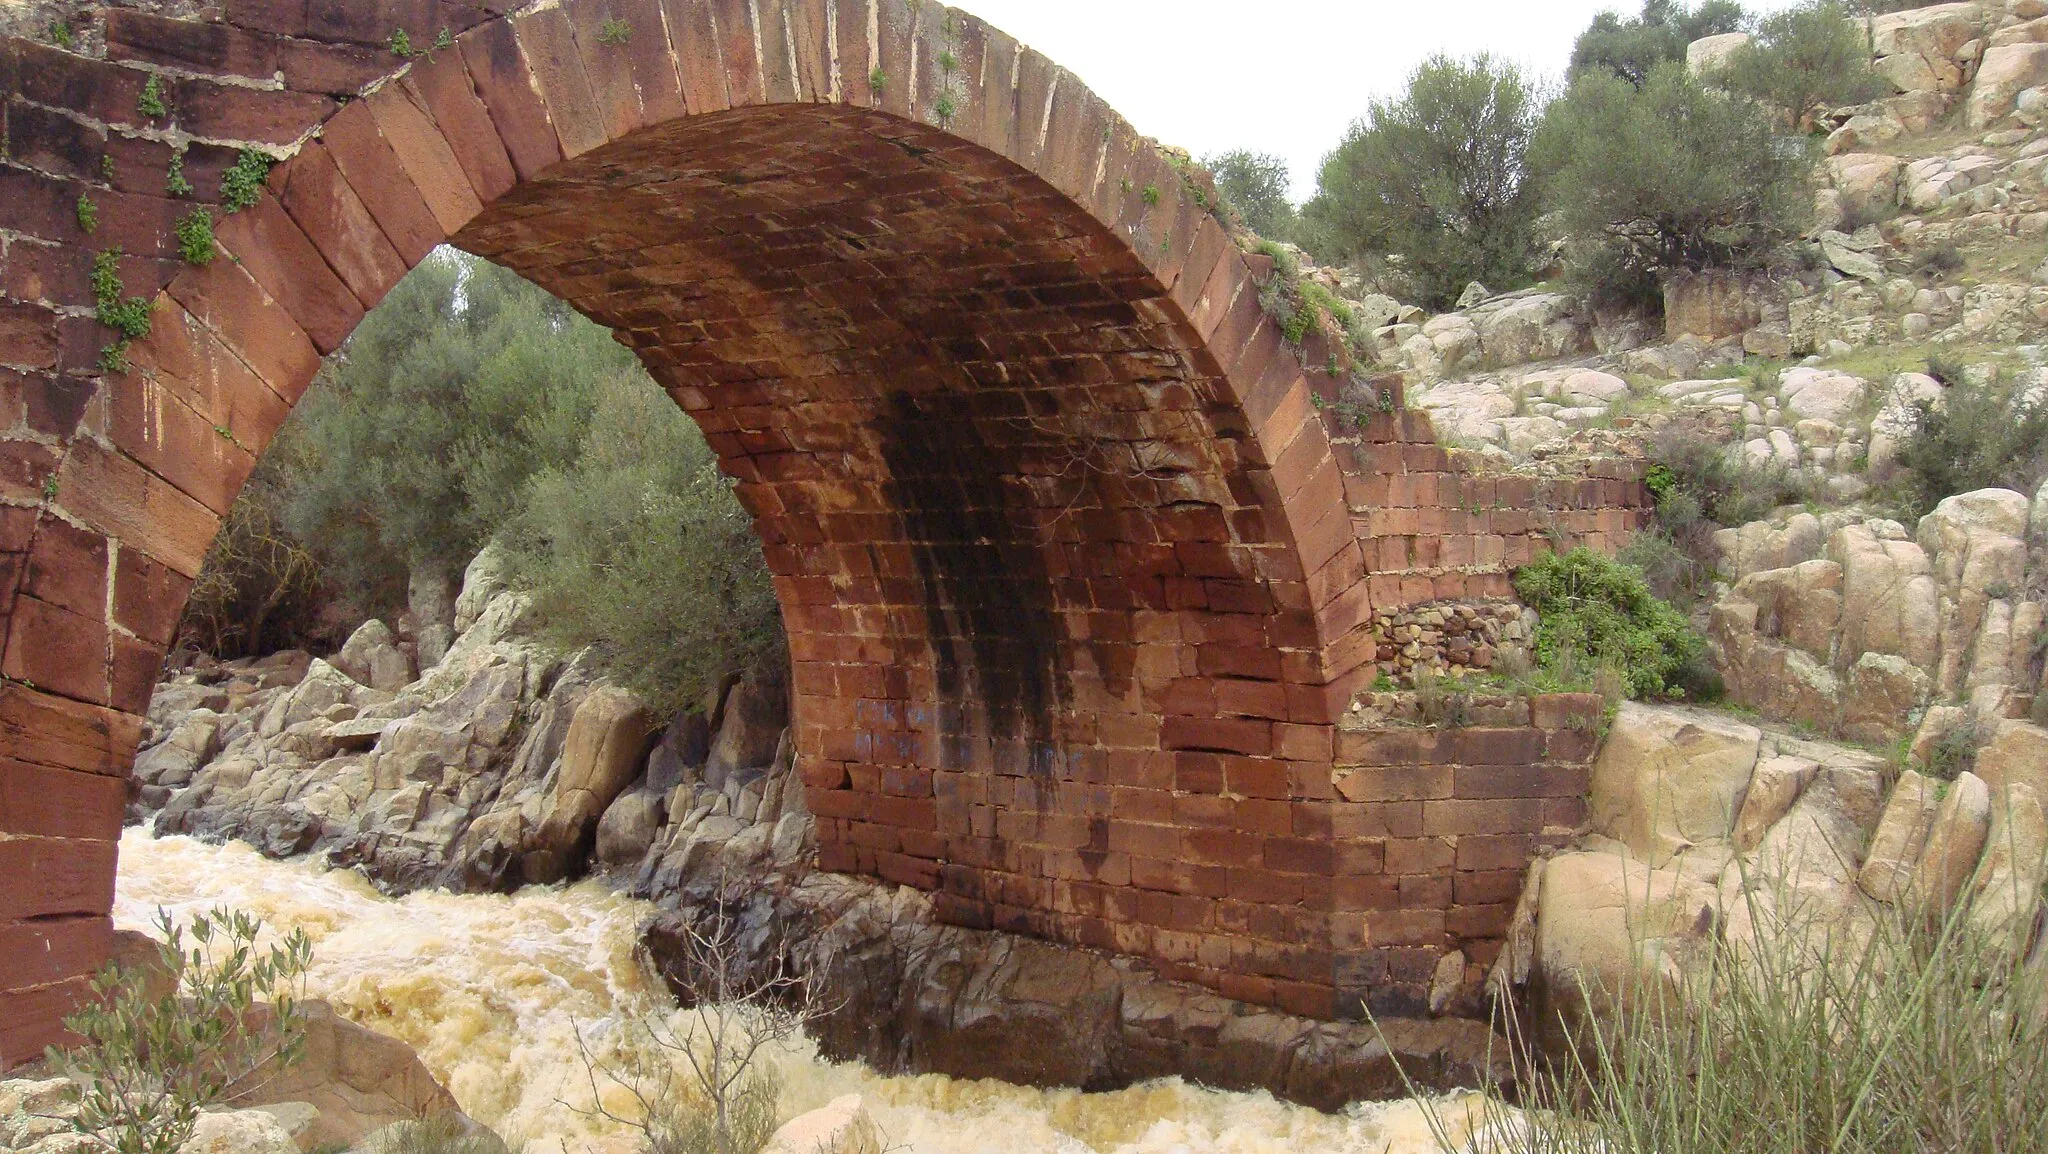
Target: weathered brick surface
pixel 1078 568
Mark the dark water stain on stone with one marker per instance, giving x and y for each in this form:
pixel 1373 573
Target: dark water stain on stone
pixel 987 598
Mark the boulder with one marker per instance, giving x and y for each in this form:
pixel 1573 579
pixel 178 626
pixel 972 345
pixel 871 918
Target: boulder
pixel 1849 259
pixel 2015 866
pixel 1713 53
pixel 1891 602
pixel 1823 394
pixel 601 755
pixel 1773 788
pixel 240 1132
pixel 1901 836
pixel 2006 71
pixel 750 728
pixel 1605 925
pixel 1999 511
pixel 628 827
pixel 482 581
pixel 192 743
pixel 358 1080
pixel 1955 841
pixel 1590 387
pixel 1671 778
pixel 1712 305
pixel 1937 31
pixel 2016 755
pixel 1883 692
pixel 841 1126
pixel 1868 183
pixel 371 656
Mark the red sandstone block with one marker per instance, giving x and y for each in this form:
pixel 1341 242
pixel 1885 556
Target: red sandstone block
pixel 122 499
pixel 1425 891
pixel 1300 855
pixel 1256 778
pixel 1571 745
pixel 1413 782
pixel 1233 735
pixel 52 950
pixel 1495 852
pixel 549 47
pixel 377 175
pixel 225 298
pixel 60 803
pixel 1404 927
pixel 1354 858
pixel 48 730
pixel 425 157
pixel 55 876
pixel 172 441
pixel 607 64
pixel 1488 887
pixel 322 203
pixel 1484 921
pixel 1420 855
pixel 1540 780
pixel 67 567
pixel 1496 816
pixel 1364 892
pixel 57 650
pixel 33 1019
pixel 1389 747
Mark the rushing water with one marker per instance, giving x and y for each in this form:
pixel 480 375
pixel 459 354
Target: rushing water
pixel 492 990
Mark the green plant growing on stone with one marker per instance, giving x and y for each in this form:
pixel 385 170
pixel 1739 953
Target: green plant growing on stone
pixel 945 107
pixel 151 103
pixel 445 39
pixel 107 167
pixel 614 31
pixel 947 61
pixel 152 1059
pixel 88 215
pixel 1595 611
pixel 127 317
pixel 878 81
pixel 195 236
pixel 174 176
pixel 400 44
pixel 50 487
pixel 59 34
pixel 242 184
pixel 1151 195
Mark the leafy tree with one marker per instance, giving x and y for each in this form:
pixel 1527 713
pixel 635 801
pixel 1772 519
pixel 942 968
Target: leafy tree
pixel 1439 177
pixel 1806 59
pixel 638 546
pixel 1631 48
pixel 420 435
pixel 1674 176
pixel 1255 185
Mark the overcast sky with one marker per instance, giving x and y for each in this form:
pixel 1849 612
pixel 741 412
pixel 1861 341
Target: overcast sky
pixel 1279 76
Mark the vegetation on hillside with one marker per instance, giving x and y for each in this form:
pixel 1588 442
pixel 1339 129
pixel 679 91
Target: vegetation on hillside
pixel 1596 613
pixel 1438 176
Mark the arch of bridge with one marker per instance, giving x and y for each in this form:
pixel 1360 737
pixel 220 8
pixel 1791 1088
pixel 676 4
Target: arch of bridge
pixel 1073 588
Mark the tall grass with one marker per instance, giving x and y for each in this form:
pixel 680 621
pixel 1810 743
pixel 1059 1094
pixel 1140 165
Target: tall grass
pixel 1889 1037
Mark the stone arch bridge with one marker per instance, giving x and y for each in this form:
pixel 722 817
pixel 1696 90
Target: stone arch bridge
pixel 1078 558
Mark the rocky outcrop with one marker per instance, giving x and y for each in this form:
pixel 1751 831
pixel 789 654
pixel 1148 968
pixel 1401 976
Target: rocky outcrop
pixel 1857 627
pixel 1709 833
pixel 841 1126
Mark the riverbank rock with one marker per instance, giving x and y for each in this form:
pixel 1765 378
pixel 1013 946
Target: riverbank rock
pixel 841 1126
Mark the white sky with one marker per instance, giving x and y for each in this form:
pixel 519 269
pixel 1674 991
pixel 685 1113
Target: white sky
pixel 1280 76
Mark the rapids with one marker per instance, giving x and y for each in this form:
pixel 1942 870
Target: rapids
pixel 492 990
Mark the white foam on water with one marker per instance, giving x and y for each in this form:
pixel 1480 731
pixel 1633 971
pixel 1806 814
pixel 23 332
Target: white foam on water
pixel 492 991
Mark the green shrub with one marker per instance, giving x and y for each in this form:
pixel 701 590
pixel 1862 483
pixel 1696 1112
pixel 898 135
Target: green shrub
pixel 1799 1038
pixel 1806 60
pixel 1984 435
pixel 639 547
pixel 1254 186
pixel 441 1134
pixel 151 1059
pixel 1438 177
pixel 1674 176
pixel 260 588
pixel 1597 612
pixel 1628 49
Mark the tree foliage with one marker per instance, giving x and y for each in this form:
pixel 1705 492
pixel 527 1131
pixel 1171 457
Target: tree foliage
pixel 1983 435
pixel 1255 186
pixel 1806 60
pixel 1676 175
pixel 635 544
pixel 1438 176
pixel 1630 48
pixel 420 435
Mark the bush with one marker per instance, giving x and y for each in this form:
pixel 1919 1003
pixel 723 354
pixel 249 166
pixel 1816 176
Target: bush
pixel 1438 177
pixel 1628 49
pixel 259 589
pixel 151 1059
pixel 1803 1037
pixel 1670 177
pixel 1254 186
pixel 422 432
pixel 640 548
pixel 1595 612
pixel 1806 60
pixel 1981 436
pixel 441 1134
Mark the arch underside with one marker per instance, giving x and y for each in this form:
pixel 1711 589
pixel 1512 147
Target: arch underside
pixel 1042 608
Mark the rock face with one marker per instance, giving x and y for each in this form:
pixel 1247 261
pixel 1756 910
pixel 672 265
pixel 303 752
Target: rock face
pixel 1664 880
pixel 1855 627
